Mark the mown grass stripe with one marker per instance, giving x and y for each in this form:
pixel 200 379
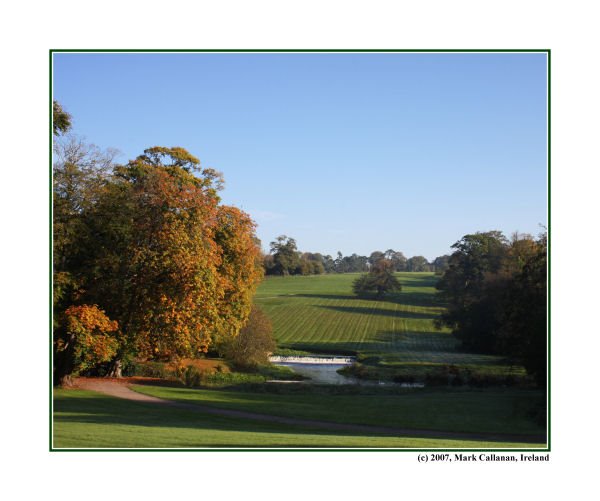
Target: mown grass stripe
pixel 320 313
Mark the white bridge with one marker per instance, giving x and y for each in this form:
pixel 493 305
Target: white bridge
pixel 338 360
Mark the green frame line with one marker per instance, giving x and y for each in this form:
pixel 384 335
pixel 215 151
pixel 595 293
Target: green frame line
pixel 293 51
pixel 303 50
pixel 549 300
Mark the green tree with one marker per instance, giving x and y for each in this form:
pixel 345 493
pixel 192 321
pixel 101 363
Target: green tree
pixel 417 264
pixel 328 264
pixel 375 257
pixel 472 286
pixel 254 343
pixel 316 262
pixel 61 120
pixel 496 296
pixel 286 258
pixel 80 173
pixel 523 333
pixel 378 282
pixel 397 258
pixel 441 263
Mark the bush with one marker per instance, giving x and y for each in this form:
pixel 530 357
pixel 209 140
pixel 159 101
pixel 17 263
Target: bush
pixel 146 369
pixel 253 344
pixel 85 339
pixel 192 377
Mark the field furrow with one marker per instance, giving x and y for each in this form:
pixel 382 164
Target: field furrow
pixel 320 313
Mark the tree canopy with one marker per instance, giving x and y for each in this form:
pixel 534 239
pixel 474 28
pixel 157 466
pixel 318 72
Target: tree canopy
pixel 285 256
pixel 378 282
pixel 61 120
pixel 254 344
pixel 150 243
pixel 495 291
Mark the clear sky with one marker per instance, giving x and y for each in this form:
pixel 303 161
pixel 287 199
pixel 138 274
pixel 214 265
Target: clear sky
pixel 348 152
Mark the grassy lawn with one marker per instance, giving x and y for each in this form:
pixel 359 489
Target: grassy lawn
pixel 319 313
pixel 85 419
pixel 490 410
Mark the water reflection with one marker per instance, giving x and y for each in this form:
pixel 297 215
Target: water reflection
pixel 323 370
pixel 320 373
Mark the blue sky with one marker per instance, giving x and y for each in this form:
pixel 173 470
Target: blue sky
pixel 348 152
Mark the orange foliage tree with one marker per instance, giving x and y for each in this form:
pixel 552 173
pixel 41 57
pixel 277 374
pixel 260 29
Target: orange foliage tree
pixel 90 338
pixel 240 270
pixel 172 265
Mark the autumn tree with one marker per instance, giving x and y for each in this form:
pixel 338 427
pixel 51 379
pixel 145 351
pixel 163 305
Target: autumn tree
pixel 88 338
pixel 240 269
pixel 160 254
pixel 190 266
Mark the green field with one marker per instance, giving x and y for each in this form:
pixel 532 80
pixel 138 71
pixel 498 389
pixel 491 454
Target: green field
pixel 319 313
pixel 488 411
pixel 84 419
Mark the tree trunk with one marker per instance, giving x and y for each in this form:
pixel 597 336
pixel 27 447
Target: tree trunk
pixel 65 381
pixel 63 366
pixel 116 369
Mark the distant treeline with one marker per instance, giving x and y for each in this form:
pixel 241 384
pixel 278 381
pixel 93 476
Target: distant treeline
pixel 494 289
pixel 285 259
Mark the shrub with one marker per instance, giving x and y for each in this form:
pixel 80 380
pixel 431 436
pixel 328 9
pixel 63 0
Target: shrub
pixel 192 377
pixel 146 369
pixel 89 339
pixel 232 379
pixel 254 343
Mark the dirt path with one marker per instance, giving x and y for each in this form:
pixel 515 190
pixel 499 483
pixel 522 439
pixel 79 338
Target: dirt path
pixel 116 388
pixel 120 388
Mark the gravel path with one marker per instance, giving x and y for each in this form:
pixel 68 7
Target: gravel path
pixel 120 388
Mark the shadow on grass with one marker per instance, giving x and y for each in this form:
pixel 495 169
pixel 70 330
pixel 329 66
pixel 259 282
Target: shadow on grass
pixel 97 409
pixel 408 347
pixel 418 341
pixel 403 298
pixel 384 343
pixel 104 410
pixel 364 310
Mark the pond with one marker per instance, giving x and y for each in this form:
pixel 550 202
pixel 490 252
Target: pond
pixel 319 369
pixel 319 372
pixel 323 370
